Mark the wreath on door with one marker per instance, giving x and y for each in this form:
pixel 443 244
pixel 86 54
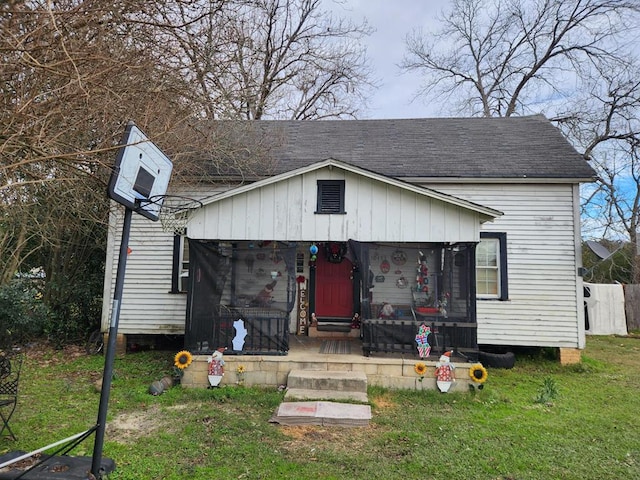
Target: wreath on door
pixel 335 251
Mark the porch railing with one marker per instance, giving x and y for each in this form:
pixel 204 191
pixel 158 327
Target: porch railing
pixel 266 332
pixel 398 336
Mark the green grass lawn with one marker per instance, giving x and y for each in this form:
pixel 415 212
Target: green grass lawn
pixel 515 428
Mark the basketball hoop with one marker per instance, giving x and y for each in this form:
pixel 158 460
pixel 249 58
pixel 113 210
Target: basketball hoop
pixel 175 211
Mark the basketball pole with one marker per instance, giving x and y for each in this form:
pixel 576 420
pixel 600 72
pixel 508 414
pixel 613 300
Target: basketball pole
pixel 111 346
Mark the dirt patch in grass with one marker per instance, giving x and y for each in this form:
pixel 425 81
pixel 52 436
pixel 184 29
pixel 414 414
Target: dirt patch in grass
pixel 310 439
pixel 383 401
pixel 129 427
pixel 45 354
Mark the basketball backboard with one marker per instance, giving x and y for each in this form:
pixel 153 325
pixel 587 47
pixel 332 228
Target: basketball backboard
pixel 142 172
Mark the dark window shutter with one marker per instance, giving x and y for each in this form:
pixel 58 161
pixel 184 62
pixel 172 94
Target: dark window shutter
pixel 330 196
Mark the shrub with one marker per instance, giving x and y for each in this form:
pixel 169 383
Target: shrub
pixel 22 312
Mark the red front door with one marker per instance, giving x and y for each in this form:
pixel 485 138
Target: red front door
pixel 334 288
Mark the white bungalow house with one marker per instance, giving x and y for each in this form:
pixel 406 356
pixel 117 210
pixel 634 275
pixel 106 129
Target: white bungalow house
pixel 468 226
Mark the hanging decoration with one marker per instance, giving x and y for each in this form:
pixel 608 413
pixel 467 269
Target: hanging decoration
pixel 385 266
pixel 422 276
pixel 313 250
pixel 275 256
pixel 335 251
pixel 399 257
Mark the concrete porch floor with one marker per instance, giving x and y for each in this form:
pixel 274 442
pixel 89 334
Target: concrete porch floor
pixel 388 370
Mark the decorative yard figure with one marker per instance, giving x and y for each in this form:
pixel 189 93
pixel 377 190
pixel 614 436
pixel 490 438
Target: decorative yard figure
pixel 422 340
pixel 265 296
pixel 241 333
pixel 445 372
pixel 387 311
pixel 216 367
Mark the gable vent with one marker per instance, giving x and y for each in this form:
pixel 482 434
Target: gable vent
pixel 330 196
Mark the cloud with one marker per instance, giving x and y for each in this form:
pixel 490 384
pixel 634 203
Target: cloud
pixel 392 21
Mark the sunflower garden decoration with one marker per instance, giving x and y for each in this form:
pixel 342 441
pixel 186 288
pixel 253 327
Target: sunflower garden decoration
pixel 181 361
pixel 421 369
pixel 479 375
pixel 240 372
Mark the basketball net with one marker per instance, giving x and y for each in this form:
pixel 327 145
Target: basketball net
pixel 175 213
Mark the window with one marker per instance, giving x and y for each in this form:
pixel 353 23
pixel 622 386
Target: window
pixel 330 196
pixel 180 270
pixel 491 266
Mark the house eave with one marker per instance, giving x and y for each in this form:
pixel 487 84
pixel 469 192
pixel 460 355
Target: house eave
pixel 497 180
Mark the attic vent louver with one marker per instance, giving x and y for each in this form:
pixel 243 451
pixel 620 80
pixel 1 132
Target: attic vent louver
pixel 330 196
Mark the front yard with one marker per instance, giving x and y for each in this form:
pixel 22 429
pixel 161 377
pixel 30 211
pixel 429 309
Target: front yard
pixel 515 428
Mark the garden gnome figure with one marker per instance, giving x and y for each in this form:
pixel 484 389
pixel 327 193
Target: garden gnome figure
pixel 445 372
pixel 216 367
pixel 422 340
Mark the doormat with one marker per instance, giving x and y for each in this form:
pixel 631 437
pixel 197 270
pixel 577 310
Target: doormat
pixel 339 347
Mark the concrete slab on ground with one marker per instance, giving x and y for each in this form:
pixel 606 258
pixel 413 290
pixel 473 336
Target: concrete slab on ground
pixel 322 413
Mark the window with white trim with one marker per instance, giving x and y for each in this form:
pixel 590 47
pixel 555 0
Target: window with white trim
pixel 491 266
pixel 180 270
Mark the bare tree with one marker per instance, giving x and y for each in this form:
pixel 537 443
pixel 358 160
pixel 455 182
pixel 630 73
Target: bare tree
pixel 69 81
pixel 70 78
pixel 73 72
pixel 606 123
pixel 256 59
pixel 506 57
pixel 576 61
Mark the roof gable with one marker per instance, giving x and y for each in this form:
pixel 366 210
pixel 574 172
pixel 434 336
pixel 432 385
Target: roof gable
pixel 376 208
pixel 486 212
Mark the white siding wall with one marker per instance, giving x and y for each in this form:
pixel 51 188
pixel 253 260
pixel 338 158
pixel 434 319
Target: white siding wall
pixel 147 306
pixel 545 293
pixel 375 212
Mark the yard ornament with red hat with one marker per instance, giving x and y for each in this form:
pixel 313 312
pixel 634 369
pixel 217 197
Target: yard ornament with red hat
pixel 445 372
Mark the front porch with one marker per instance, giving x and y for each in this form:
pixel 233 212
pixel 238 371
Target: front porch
pixel 389 370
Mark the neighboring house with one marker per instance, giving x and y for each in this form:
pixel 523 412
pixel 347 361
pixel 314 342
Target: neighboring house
pixel 469 225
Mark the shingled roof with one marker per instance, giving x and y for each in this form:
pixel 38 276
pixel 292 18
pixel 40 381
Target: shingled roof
pixel 528 147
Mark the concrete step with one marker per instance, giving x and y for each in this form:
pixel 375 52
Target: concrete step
pixel 335 395
pixel 327 385
pixel 328 380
